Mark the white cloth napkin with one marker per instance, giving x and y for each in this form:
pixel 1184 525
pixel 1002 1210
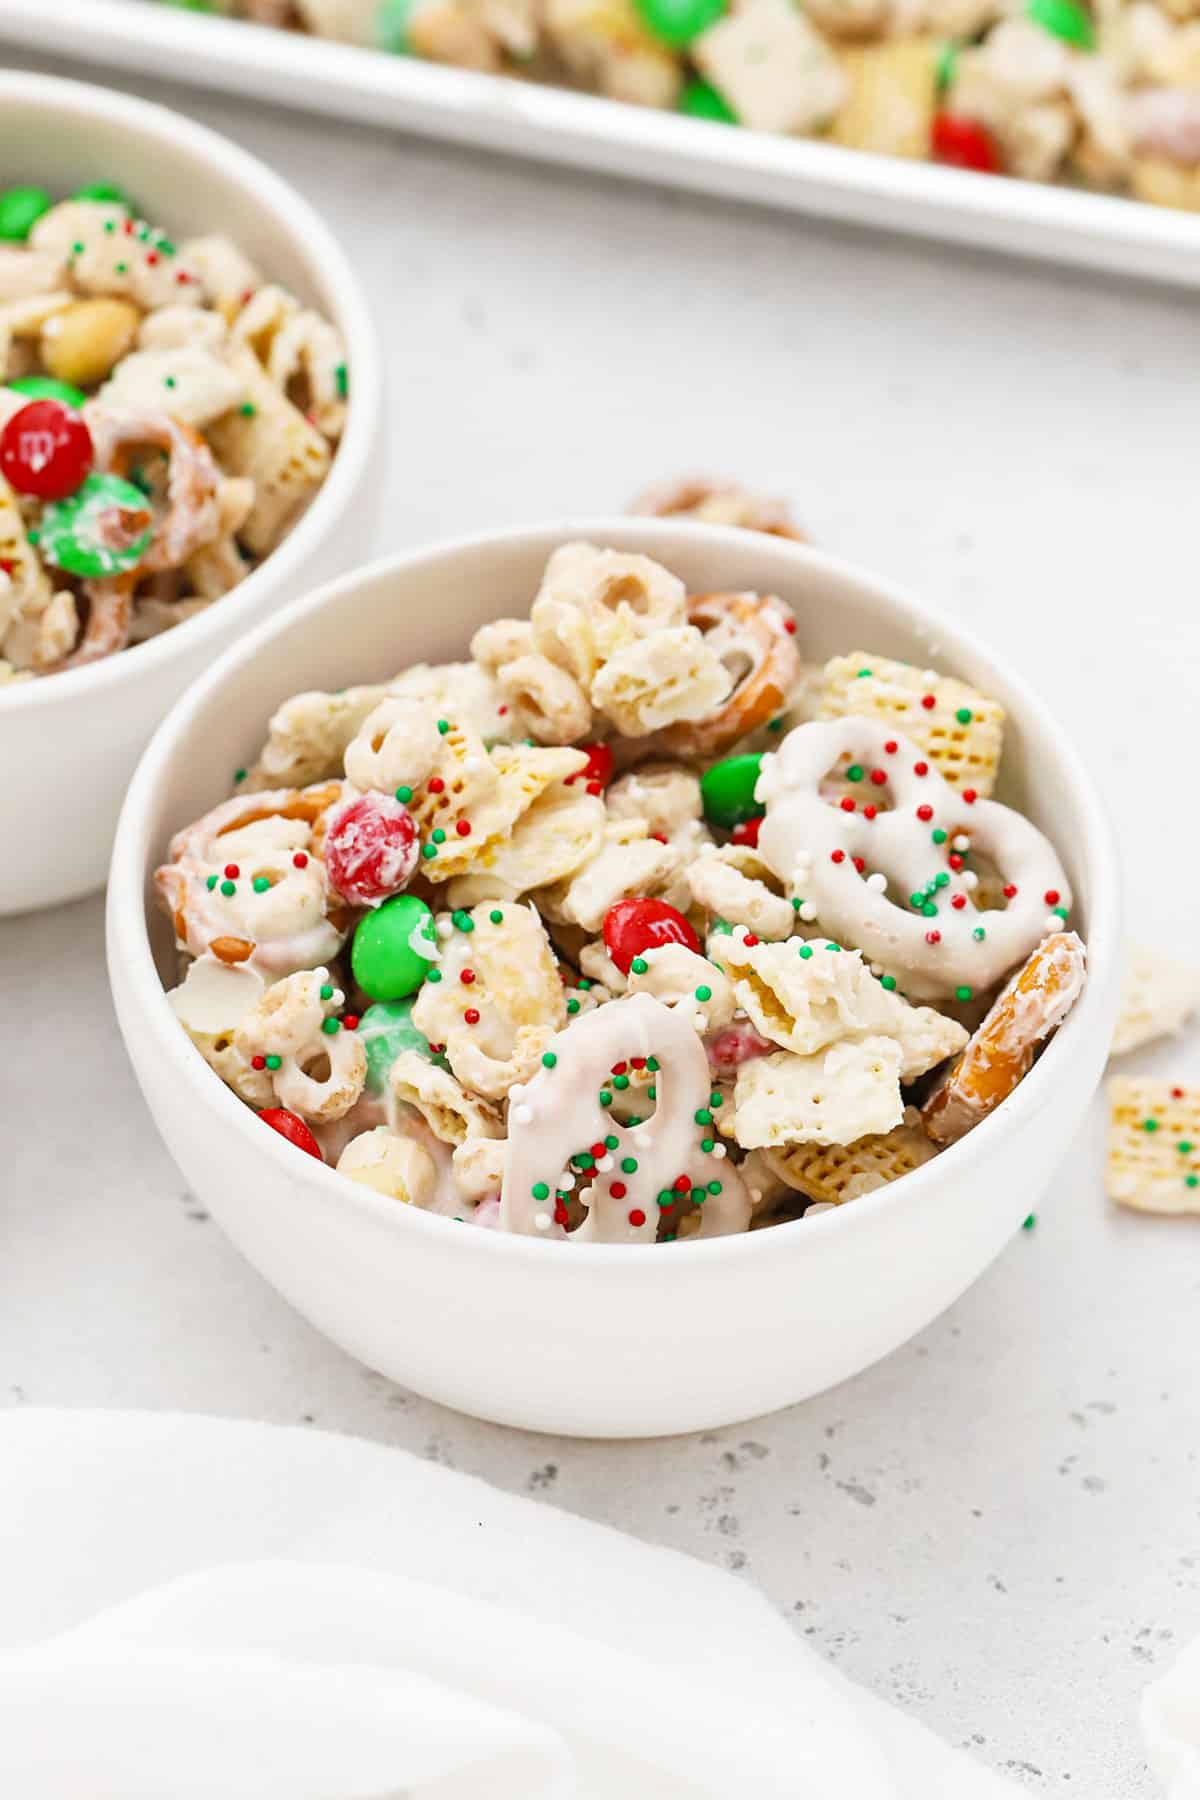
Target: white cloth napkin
pixel 195 1607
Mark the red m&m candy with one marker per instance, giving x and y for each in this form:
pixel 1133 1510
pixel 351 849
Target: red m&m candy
pixel 632 926
pixel 45 450
pixel 371 849
pixel 289 1126
pixel 964 143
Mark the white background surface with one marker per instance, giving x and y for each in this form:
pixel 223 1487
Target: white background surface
pixel 999 1526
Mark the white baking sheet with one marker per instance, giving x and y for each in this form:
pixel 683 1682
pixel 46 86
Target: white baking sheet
pixel 496 113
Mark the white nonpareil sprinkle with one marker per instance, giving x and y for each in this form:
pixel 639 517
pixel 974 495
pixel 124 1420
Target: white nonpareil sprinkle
pixel 444 928
pixel 877 882
pixel 522 1115
pixel 700 1022
pixel 718 1150
pixel 1052 923
pixel 755 1195
pixel 970 879
pixel 604 1165
pixel 542 1221
pixel 808 912
pixel 961 842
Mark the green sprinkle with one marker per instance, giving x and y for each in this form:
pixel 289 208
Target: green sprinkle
pixel 228 887
pixel 702 1116
pixel 833 946
pixel 947 65
pixel 715 1099
pixel 938 836
pixel 584 1159
pixel 404 794
pixel 540 1190
pixel 621 1082
pixel 963 993
pixel 708 1145
pixel 638 966
pixel 605 1097
pixel 331 1027
pixel 862 673
pixel 273 1062
pixel 652 1062
pixel 629 1165
pixel 260 884
pixel 714 1187
pixel 698 1196
pixel 1030 1222
pixel 634 1119
pixel 854 772
pixel 888 982
pixel 438 835
pixel 326 992
pixel 548 1059
pixel 611 1143
pixel 942 880
pixel 443 726
pixel 122 268
pixel 774 724
pixel 1063 19
pixel 497 918
pixel 796 904
pixel 429 851
pixel 806 951
pixel 168 381
pixel 1062 913
pixel 110 225
pixel 964 715
pixel 342 378
pixel 77 249
pixel 1149 1124
pixel 704 993
pixel 652 1092
pixel 665 1198
pixel 1184 1147
pixel 434 975
pixel 239 775
pixel 212 882
pixel 572 1006
pixel 1191 1181
pixel 166 247
pixel 248 409
pixel 462 921
pixel 583 984
pixel 929 910
pixel 917 900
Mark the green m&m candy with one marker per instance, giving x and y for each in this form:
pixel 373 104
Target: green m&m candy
pixel 20 210
pixel 392 20
pixel 87 534
pixel 677 22
pixel 394 948
pixel 385 1031
pixel 44 387
pixel 727 791
pixel 1064 19
pixel 105 192
pixel 700 100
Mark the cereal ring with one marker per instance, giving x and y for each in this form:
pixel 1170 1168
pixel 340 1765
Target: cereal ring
pixel 193 516
pixel 635 1172
pixel 1035 1003
pixel 591 602
pixel 548 701
pixel 392 1165
pixel 841 861
pixel 452 1115
pixel 718 503
pixel 752 635
pixel 395 746
pixel 324 1080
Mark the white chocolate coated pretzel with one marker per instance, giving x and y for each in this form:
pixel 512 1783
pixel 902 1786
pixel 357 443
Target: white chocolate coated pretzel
pixel 559 1113
pixel 830 856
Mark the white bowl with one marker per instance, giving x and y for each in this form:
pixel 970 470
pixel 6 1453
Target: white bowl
pixel 605 1340
pixel 70 741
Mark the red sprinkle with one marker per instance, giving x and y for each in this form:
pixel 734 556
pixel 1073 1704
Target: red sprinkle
pixel 891 746
pixel 350 1021
pixel 466 976
pixel 750 940
pixel 258 1062
pixel 599 765
pixel 1051 896
pixel 637 1062
pixel 598 1150
pixel 837 856
pixel 928 701
pixel 870 812
pixel 436 785
pixel 152 257
pixel 501 710
pixel 859 864
pixel 1177 1093
pixel 681 1184
pixel 956 861
pixel 847 804
pixel 745 833
pixel 619 1068
pixel 463 828
pixel 878 776
pixel 300 860
pixel 933 937
pixel 618 1190
pixel 560 1214
pixel 958 902
pixel 920 768
pixel 471 1015
pixel 970 796
pixel 232 871
pixel 637 1216
pixel 1010 892
pixel 925 812
pixel 789 625
pixel 660 837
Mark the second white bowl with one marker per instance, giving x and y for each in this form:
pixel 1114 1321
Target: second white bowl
pixel 69 742
pixel 606 1340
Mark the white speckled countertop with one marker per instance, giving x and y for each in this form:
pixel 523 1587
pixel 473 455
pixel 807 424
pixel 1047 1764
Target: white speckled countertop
pixel 997 1527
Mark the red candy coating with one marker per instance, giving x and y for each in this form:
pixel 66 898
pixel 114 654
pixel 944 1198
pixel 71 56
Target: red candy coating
pixel 293 1129
pixel 964 143
pixel 747 832
pixel 46 450
pixel 599 763
pixel 632 926
pixel 371 849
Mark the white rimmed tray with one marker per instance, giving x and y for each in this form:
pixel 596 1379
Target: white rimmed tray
pixel 575 130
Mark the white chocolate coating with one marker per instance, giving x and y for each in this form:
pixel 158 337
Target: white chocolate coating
pixel 560 1114
pixel 802 833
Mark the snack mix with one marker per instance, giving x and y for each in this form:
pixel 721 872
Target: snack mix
pixel 165 418
pixel 634 926
pixel 1103 96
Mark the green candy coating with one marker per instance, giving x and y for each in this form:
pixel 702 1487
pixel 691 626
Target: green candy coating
pixel 700 100
pixel 1063 19
pixel 392 19
pixel 20 210
pixel 727 791
pixel 44 387
pixel 678 22
pixel 105 192
pixel 70 537
pixel 947 69
pixel 386 1030
pixel 385 964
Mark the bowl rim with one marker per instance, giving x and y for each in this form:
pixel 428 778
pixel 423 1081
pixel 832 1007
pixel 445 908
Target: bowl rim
pixel 271 193
pixel 132 970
